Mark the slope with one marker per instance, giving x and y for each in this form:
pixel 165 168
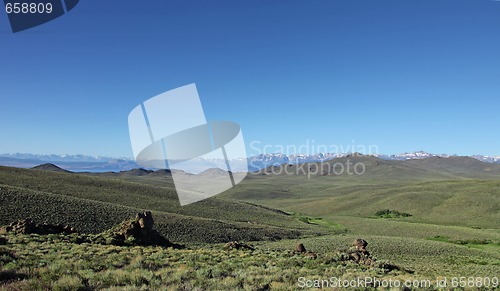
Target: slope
pixel 93 204
pixel 447 191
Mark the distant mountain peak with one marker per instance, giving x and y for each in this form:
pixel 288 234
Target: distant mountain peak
pixel 78 163
pixel 50 167
pixel 61 158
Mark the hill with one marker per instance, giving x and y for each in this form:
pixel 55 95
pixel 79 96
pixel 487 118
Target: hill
pixel 457 191
pixel 50 167
pixel 459 166
pixel 93 204
pixel 472 203
pixel 359 166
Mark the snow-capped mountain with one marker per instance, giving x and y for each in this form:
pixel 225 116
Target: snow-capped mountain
pixel 300 158
pixel 487 159
pixel 409 156
pixel 266 160
pixel 61 158
pixel 80 163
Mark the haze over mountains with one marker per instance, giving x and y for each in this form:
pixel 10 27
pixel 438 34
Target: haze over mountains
pixel 85 163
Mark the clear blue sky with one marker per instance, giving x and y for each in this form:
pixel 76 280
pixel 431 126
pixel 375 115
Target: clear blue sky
pixel 402 75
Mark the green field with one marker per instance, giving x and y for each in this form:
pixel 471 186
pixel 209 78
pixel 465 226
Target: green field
pixel 450 226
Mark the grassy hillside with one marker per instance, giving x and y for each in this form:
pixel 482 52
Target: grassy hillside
pixel 93 204
pixel 51 263
pixel 455 191
pixel 32 262
pixel 374 169
pixel 457 166
pixel 448 191
pixel 427 258
pixel 473 203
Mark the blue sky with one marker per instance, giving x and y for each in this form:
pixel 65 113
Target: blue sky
pixel 402 75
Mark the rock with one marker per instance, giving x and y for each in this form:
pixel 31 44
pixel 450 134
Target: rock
pixel 28 226
pixel 311 255
pixel 360 244
pixel 139 232
pixel 300 248
pixel 238 245
pixel 357 254
pixel 145 220
pixel 361 256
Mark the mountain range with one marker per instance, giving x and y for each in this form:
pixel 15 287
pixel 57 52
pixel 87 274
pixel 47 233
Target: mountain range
pixel 85 163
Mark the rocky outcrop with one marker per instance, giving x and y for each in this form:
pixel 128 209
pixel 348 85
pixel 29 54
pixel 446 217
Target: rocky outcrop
pixel 300 249
pixel 359 254
pixel 360 244
pixel 28 226
pixel 360 247
pixel 138 232
pixel 145 220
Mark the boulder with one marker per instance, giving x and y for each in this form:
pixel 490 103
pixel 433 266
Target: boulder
pixel 139 232
pixel 360 244
pixel 300 248
pixel 145 220
pixel 311 255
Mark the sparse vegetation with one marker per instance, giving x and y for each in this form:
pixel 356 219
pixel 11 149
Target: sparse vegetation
pixel 386 213
pixel 426 258
pixel 333 227
pixel 479 243
pixel 50 262
pixel 452 229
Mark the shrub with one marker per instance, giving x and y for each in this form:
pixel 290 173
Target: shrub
pixel 68 282
pixel 387 213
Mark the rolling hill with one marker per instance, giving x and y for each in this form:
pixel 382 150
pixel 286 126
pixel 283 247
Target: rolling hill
pixel 359 166
pixel 93 204
pixel 50 167
pixel 457 191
